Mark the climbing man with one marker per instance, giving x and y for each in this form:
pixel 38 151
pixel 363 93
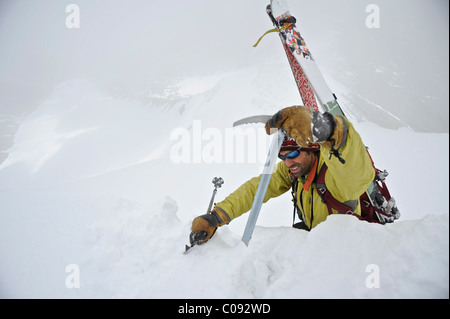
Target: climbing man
pixel 316 143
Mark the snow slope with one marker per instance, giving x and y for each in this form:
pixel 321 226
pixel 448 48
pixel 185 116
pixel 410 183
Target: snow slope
pixel 96 180
pixel 100 191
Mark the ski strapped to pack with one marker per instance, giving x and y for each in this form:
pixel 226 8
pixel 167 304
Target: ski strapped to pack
pixel 377 205
pixel 314 92
pixel 283 27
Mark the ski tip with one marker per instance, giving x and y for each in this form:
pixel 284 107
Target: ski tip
pixel 246 242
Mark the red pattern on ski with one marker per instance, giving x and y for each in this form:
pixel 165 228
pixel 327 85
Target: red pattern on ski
pixel 305 88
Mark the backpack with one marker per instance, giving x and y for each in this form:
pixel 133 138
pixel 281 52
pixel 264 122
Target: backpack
pixel 377 205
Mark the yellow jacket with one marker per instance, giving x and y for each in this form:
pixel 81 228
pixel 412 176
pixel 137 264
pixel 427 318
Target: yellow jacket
pixel 346 182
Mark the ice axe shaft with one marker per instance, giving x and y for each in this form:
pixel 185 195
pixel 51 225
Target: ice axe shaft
pixel 212 200
pixel 263 184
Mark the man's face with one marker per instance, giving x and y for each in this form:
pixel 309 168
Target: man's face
pixel 300 165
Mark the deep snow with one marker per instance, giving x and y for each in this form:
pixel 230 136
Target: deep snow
pixel 91 180
pixel 98 195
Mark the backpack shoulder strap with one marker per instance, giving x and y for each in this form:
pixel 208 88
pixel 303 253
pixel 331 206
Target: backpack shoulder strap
pixel 294 188
pixel 326 196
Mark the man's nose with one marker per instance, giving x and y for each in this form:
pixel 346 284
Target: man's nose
pixel 288 162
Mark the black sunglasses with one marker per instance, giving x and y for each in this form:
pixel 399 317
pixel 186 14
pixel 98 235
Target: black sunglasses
pixel 290 155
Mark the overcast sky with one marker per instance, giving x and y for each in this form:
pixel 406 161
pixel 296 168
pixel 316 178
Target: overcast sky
pixel 130 43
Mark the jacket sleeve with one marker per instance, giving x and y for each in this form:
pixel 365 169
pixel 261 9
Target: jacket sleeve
pixel 241 200
pixel 347 181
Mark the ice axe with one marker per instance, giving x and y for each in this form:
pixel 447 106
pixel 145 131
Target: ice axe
pixel 200 236
pixel 218 182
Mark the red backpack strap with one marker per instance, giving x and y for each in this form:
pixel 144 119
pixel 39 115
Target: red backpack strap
pixel 326 196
